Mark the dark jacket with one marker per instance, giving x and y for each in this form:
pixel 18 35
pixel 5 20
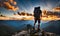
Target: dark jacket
pixel 37 12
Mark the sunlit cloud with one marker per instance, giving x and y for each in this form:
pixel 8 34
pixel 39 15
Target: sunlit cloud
pixel 56 9
pixel 9 4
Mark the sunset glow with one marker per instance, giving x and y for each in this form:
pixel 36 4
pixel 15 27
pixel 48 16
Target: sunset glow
pixel 19 10
pixel 29 18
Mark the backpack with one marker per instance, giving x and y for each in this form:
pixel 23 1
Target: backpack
pixel 37 13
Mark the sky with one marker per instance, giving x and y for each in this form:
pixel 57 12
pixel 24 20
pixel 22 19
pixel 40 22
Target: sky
pixel 27 6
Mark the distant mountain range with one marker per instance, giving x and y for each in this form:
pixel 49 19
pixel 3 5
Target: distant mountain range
pixel 7 28
pixel 53 27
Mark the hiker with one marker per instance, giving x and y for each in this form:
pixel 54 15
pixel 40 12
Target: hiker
pixel 37 15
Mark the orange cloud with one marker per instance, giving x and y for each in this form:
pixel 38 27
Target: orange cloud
pixel 56 9
pixel 14 3
pixel 9 4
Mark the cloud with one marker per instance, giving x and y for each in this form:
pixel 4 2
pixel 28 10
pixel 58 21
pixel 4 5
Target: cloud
pixel 9 4
pixel 56 9
pixel 24 14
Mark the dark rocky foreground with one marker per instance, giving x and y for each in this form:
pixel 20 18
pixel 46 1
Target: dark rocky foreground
pixel 29 31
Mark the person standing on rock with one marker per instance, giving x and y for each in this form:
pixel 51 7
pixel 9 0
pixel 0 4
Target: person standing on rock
pixel 37 16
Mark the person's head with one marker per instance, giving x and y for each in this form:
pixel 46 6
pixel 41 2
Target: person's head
pixel 37 8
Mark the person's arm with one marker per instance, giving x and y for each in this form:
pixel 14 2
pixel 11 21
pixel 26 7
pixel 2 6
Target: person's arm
pixel 40 13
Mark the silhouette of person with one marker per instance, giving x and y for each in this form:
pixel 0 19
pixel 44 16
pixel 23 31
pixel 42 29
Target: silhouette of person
pixel 37 15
